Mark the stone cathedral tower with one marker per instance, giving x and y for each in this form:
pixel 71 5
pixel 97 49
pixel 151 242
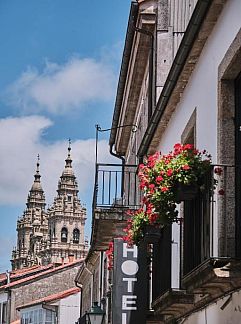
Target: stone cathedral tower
pixel 66 219
pixel 32 227
pixel 55 236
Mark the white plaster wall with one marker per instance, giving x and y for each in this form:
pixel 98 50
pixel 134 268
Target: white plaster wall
pixel 231 314
pixel 69 309
pixel 201 92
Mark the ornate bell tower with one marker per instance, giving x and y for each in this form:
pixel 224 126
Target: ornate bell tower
pixel 32 227
pixel 66 220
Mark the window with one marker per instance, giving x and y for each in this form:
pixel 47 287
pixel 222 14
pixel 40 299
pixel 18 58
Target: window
pixel 69 198
pixel 50 317
pixel 196 227
pixel 38 316
pixel 31 317
pixel 35 319
pixel 76 235
pixel 64 234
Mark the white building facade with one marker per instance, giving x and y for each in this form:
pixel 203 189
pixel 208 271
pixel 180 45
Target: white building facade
pixel 194 98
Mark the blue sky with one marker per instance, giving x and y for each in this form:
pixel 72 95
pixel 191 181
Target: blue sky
pixel 59 66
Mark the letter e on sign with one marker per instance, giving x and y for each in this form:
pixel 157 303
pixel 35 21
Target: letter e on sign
pixel 128 301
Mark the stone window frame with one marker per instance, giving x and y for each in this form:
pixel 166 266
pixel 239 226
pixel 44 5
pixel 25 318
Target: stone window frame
pixel 228 71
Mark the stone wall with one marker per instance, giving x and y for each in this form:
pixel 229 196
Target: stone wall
pixel 43 286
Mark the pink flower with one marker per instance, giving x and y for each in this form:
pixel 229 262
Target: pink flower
pixel 185 167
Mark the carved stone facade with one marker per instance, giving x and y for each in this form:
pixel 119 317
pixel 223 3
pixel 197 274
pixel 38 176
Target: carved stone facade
pixel 56 235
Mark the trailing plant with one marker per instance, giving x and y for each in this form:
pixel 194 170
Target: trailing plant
pixel 160 177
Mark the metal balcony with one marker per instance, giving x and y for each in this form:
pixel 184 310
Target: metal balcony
pixel 116 191
pixel 116 186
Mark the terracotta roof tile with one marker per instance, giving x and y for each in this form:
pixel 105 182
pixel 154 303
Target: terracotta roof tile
pixel 52 298
pixel 24 272
pixel 43 273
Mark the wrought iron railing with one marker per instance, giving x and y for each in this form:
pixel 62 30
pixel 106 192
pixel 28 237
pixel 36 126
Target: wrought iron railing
pixel 210 222
pixel 116 186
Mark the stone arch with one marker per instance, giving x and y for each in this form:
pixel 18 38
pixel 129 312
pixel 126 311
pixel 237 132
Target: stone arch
pixel 76 235
pixel 64 234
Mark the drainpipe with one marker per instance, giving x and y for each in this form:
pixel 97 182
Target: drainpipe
pixel 101 276
pixel 81 297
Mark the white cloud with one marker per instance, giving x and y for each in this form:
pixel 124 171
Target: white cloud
pixel 61 88
pixel 21 141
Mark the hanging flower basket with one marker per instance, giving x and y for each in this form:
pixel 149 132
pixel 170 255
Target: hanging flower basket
pixel 152 233
pixel 186 192
pixel 166 180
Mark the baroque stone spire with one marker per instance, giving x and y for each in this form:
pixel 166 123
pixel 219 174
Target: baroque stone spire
pixel 32 227
pixel 66 220
pixel 67 183
pixel 36 196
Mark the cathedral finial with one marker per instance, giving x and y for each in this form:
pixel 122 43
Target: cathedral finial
pixel 37 184
pixel 69 148
pixel 68 160
pixel 38 159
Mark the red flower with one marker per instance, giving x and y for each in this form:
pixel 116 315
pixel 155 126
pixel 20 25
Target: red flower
pixel 169 172
pixel 152 159
pixel 221 192
pixel 164 189
pixel 177 146
pixel 188 147
pixel 159 179
pixel 153 217
pixel 185 167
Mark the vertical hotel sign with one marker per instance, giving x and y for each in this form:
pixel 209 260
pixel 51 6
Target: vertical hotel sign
pixel 129 284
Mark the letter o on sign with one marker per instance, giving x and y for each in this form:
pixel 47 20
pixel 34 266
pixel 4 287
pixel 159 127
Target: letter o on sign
pixel 129 267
